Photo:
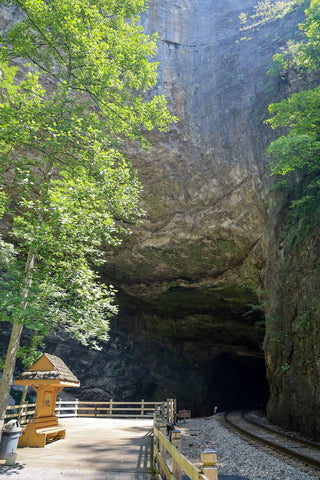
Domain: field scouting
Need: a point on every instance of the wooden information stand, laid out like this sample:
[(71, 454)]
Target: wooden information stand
[(48, 376)]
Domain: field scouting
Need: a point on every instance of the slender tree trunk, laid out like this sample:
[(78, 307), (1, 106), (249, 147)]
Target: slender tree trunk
[(14, 343), (8, 370), (25, 388)]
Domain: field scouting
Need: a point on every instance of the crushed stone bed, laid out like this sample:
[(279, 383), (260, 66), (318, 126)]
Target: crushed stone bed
[(238, 459)]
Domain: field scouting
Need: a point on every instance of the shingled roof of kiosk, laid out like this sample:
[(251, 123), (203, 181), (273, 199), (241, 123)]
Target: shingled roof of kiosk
[(49, 367)]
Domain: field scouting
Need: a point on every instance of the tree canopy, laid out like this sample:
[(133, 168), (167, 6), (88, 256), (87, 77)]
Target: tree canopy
[(74, 77)]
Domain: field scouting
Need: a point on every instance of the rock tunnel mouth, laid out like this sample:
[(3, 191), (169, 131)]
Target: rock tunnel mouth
[(201, 346)]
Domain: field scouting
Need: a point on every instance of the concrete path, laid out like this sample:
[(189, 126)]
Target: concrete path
[(94, 449)]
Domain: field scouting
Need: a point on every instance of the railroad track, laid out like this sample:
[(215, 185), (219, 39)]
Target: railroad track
[(302, 450)]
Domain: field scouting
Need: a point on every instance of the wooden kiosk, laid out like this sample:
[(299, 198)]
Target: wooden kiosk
[(48, 376)]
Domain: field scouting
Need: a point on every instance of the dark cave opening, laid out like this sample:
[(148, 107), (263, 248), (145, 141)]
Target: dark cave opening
[(196, 346), (230, 382), (239, 383), (203, 360)]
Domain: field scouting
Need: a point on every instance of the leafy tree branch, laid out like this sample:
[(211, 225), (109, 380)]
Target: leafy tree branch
[(66, 113)]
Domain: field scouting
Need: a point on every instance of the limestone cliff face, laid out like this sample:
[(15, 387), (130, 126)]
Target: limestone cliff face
[(186, 276), (204, 182), (292, 328)]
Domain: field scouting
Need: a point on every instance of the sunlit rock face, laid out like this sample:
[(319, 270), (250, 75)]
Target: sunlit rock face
[(188, 275), (189, 271), (204, 182)]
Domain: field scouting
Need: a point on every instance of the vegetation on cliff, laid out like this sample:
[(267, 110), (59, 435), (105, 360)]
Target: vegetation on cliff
[(298, 151), (67, 187), (292, 283)]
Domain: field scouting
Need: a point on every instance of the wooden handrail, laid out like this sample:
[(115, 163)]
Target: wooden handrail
[(75, 408), (23, 412), (163, 447), (188, 468), (82, 408)]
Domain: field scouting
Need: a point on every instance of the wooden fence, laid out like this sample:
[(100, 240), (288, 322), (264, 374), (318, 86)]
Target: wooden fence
[(169, 462), (22, 413), (111, 408), (76, 408)]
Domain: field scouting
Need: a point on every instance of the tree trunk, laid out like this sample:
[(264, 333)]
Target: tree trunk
[(8, 370), (14, 343)]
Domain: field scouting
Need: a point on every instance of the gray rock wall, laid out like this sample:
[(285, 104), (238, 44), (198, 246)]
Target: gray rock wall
[(206, 182), (188, 273), (292, 340)]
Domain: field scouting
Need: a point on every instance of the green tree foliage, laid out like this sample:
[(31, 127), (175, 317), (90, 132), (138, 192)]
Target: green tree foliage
[(67, 187), (266, 11), (299, 150)]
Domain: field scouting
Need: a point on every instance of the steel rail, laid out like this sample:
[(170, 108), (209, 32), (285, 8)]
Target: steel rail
[(307, 443), (287, 451)]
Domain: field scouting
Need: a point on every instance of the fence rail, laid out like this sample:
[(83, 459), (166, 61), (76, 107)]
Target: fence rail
[(169, 462), (112, 408), (76, 408), (22, 413)]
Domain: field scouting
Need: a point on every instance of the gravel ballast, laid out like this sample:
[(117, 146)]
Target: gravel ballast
[(238, 458)]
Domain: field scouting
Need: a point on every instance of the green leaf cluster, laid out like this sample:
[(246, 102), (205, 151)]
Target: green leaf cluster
[(97, 49), (267, 11), (69, 189), (298, 152)]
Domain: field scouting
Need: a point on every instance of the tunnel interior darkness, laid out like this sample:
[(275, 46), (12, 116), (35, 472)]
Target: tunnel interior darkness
[(238, 383)]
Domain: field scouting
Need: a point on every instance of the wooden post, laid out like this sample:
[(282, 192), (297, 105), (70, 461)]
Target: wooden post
[(162, 448), (110, 406), (142, 407), (157, 418), (58, 407), (173, 410), (163, 427), (176, 441), (76, 407), (209, 459), (23, 412), (154, 456), (168, 410)]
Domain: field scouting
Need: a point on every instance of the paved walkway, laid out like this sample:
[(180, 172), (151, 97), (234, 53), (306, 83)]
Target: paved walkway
[(94, 449)]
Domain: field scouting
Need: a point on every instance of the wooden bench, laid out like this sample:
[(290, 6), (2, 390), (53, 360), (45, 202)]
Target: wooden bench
[(49, 434), (183, 414), (40, 431), (48, 429)]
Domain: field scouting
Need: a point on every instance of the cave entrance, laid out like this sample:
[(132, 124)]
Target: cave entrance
[(229, 382), (238, 382), (199, 347)]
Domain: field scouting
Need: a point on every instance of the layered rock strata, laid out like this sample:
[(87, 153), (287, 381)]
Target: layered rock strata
[(187, 275)]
